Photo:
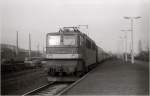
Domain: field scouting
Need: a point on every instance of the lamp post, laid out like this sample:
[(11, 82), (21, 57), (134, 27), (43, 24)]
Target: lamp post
[(126, 57), (29, 46), (17, 49), (132, 49)]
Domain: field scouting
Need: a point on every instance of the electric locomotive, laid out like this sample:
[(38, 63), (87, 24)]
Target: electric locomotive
[(69, 52)]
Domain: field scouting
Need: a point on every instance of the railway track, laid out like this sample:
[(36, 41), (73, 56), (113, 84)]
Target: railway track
[(55, 88), (51, 88)]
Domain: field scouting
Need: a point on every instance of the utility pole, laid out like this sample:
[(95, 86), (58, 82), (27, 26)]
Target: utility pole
[(17, 43), (44, 42), (38, 49), (122, 46), (126, 45), (43, 51), (132, 49), (29, 46), (140, 46)]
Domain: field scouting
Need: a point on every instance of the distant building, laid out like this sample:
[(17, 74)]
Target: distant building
[(7, 51)]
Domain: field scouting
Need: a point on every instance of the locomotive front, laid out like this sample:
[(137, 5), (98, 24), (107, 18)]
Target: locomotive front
[(62, 53)]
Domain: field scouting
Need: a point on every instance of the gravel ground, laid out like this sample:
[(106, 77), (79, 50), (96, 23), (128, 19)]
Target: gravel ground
[(114, 77), (20, 83)]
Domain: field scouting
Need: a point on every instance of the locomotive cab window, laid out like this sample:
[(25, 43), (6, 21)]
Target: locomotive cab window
[(54, 40), (69, 40)]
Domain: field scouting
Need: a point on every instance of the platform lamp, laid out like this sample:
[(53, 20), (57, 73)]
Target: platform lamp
[(132, 49)]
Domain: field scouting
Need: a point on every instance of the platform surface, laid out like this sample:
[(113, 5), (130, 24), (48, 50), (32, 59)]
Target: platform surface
[(114, 77)]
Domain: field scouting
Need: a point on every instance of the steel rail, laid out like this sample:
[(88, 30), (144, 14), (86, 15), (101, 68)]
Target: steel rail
[(37, 89)]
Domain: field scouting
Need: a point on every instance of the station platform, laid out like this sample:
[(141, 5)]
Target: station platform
[(114, 77)]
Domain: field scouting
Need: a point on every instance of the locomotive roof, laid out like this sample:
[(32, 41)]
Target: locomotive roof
[(74, 32)]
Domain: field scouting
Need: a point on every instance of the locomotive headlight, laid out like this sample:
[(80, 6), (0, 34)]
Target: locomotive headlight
[(71, 69), (49, 55), (43, 62), (76, 55), (46, 69)]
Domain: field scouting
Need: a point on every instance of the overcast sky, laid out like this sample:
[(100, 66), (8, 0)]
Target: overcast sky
[(104, 17)]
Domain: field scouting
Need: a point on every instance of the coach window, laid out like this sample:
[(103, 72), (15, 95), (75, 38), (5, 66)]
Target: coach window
[(81, 40), (88, 44), (93, 46)]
